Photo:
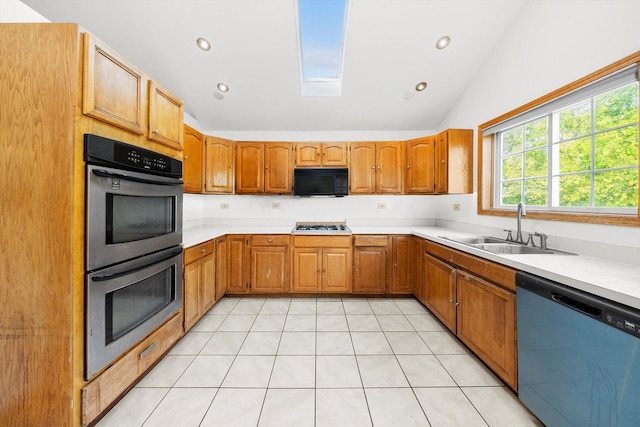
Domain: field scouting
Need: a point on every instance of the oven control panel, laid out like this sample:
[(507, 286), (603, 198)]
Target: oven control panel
[(108, 152)]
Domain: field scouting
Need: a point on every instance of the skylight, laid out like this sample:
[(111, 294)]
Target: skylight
[(322, 27)]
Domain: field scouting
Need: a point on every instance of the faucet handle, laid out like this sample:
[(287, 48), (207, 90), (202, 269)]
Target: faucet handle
[(543, 239), (509, 236), (530, 241)]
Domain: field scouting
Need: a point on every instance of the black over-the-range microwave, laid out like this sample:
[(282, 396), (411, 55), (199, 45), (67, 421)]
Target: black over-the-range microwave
[(321, 182)]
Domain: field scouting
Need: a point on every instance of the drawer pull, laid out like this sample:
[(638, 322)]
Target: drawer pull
[(147, 350)]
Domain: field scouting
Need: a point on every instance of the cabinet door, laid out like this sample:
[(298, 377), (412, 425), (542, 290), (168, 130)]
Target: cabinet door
[(337, 266), (390, 167), (418, 268), (362, 170), (334, 154), (166, 114), (486, 323), (307, 264), (420, 175), (222, 267), (369, 270), (250, 167), (113, 90), (219, 161), (269, 269), (190, 293), (208, 282), (308, 154), (238, 274), (442, 166), (192, 164), (401, 265), (278, 168), (440, 290)]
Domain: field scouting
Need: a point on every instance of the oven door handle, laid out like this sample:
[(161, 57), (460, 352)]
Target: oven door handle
[(105, 174), (106, 277)]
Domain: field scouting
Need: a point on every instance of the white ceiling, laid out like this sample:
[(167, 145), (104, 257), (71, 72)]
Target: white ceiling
[(390, 46)]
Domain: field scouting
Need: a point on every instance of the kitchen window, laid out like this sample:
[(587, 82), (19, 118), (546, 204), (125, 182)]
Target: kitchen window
[(571, 155)]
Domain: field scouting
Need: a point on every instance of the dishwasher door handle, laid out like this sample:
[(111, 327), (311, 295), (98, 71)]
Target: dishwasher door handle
[(579, 306)]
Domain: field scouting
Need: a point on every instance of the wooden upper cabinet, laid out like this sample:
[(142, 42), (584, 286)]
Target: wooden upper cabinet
[(166, 114), (420, 174), (264, 167), (454, 161), (113, 91), (315, 154), (250, 167), (390, 167), (362, 168), (376, 167), (278, 167), (192, 161), (219, 173)]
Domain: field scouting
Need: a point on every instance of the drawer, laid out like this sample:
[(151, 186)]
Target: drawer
[(196, 252), (362, 240), (270, 240), (322, 241)]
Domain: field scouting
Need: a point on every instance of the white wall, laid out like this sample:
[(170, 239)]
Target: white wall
[(550, 44)]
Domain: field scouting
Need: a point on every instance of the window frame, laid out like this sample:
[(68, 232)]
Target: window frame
[(487, 145)]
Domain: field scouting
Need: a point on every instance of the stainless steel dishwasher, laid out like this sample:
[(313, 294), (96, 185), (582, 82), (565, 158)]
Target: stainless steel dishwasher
[(578, 356)]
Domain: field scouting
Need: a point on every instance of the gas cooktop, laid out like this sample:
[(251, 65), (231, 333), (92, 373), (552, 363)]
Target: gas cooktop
[(321, 228)]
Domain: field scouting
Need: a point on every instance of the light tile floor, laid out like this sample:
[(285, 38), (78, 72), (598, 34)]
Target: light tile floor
[(319, 362)]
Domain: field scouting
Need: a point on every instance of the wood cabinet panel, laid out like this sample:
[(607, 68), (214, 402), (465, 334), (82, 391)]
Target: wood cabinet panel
[(334, 154), (322, 264), (250, 167), (440, 290), (486, 323), (238, 273), (362, 168), (390, 167), (208, 284), (420, 178), (270, 264), (401, 265), (370, 269), (336, 270), (454, 161), (418, 268), (322, 241), (193, 160), (370, 240), (278, 173), (222, 266), (199, 284), (316, 154), (166, 113), (219, 165), (114, 91), (307, 270), (190, 291)]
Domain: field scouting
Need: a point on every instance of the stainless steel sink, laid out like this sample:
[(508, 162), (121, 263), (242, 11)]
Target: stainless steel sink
[(501, 246)]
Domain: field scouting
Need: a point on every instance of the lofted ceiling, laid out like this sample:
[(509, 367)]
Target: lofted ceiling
[(389, 48)]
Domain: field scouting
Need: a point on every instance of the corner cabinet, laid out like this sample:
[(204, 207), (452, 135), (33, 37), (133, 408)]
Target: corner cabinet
[(192, 160), (238, 255), (475, 299)]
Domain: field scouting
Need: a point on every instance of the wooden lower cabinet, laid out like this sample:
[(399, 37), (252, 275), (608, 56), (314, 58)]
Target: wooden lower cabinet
[(440, 290), (222, 267), (108, 386), (199, 285), (322, 264), (370, 264), (269, 264), (486, 323), (238, 255), (401, 280), (475, 299)]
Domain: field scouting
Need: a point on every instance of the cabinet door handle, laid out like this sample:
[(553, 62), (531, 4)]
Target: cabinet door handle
[(147, 350), (156, 131)]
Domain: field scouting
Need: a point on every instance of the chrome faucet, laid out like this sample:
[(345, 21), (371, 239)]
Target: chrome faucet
[(521, 211)]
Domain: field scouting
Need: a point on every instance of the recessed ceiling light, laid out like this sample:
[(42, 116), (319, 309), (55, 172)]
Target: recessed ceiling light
[(203, 43), (443, 42), (421, 86), (218, 95), (222, 87)]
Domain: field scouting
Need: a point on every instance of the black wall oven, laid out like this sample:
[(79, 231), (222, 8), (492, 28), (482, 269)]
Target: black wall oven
[(133, 246)]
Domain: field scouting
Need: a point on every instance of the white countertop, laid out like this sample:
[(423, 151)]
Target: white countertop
[(615, 281)]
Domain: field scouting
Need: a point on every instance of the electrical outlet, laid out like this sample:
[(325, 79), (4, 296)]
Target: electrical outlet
[(382, 206), (224, 205), (275, 205), (456, 206)]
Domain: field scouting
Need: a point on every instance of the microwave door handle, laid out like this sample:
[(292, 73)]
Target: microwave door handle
[(105, 174), (106, 277)]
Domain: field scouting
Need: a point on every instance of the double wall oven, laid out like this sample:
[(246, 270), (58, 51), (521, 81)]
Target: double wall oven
[(133, 246)]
